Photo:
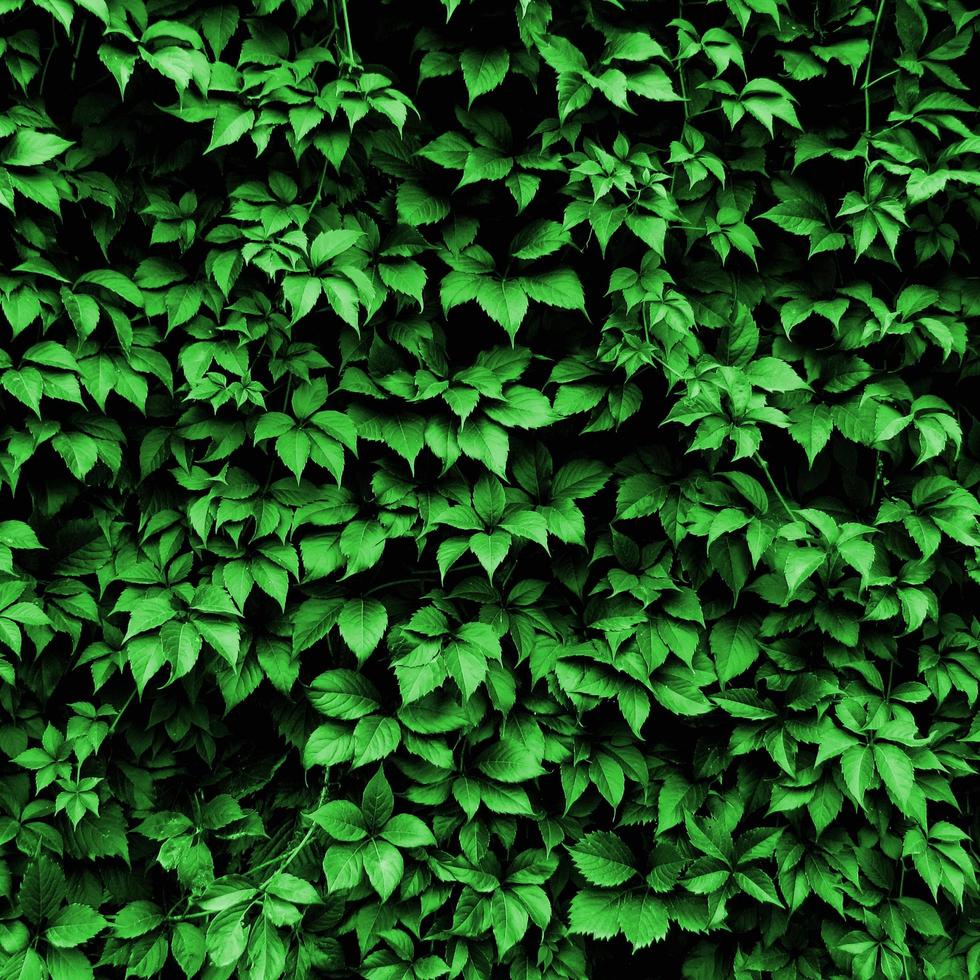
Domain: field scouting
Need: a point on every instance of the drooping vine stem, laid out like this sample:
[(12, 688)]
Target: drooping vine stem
[(47, 60), (350, 44), (764, 466), (866, 86), (319, 188), (877, 477), (294, 851), (282, 861), (683, 82), (121, 711)]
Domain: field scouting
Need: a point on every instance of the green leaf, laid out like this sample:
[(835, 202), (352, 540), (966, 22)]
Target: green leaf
[(362, 543), (377, 801), (30, 148), (857, 764), (407, 277), (328, 745), (595, 913), (483, 71), (504, 301), (603, 859), (223, 636), (643, 920), (152, 612), (734, 646), (416, 206), (772, 374), (42, 889), (508, 762), (490, 549), (17, 534), (489, 500), (487, 443), (21, 307), (467, 665), (343, 864), (302, 293), (74, 925), (290, 888), (384, 866), (922, 916), (137, 919), (407, 830), (187, 944), (219, 25), (266, 950), (756, 883), (538, 239), (561, 288), (79, 452), (579, 478), (293, 448), (332, 243), (120, 64), (226, 937), (115, 282), (26, 386), (800, 565), (509, 920), (676, 690), (811, 427), (344, 694), (896, 771), (362, 624), (375, 738), (341, 820)]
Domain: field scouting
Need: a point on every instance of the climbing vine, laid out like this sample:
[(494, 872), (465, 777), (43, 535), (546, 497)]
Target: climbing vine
[(488, 490)]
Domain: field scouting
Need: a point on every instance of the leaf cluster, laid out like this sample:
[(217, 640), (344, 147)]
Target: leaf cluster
[(488, 490)]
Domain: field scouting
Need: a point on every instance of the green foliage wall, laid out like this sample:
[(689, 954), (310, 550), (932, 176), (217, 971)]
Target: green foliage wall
[(488, 490)]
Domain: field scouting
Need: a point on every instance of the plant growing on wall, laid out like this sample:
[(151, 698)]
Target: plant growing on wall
[(488, 490)]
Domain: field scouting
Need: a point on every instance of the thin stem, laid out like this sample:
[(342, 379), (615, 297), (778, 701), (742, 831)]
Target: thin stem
[(764, 466), (272, 459), (350, 43), (418, 575), (188, 915), (126, 704), (665, 365), (319, 189), (286, 859), (397, 582), (867, 84), (881, 78), (47, 61), (78, 48), (877, 477), (683, 80), (310, 831)]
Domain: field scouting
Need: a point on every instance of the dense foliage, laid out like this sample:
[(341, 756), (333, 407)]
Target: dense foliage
[(488, 490)]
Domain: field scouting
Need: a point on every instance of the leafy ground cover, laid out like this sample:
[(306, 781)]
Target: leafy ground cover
[(488, 490)]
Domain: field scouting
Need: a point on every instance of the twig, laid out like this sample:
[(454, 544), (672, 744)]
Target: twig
[(682, 79), (867, 85), (47, 61), (290, 855), (119, 714), (350, 43), (319, 188), (78, 49), (764, 466)]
